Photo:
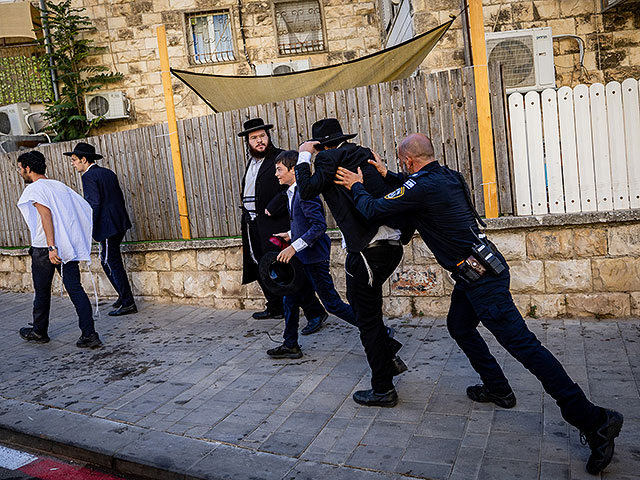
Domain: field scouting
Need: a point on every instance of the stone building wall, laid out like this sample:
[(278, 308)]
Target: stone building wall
[(352, 29), (561, 266), (612, 38), (127, 28)]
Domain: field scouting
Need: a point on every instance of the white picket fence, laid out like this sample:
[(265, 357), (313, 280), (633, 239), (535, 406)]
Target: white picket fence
[(576, 149)]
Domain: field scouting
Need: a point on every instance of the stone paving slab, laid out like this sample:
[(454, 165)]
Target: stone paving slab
[(182, 391)]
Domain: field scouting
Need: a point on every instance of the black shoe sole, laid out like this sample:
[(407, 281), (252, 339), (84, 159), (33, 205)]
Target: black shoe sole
[(376, 403), (35, 340), (268, 317), (289, 356), (489, 398), (118, 313), (90, 345), (617, 426)]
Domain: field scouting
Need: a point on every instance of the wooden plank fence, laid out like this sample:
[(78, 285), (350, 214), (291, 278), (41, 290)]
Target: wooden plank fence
[(442, 105), (576, 150)]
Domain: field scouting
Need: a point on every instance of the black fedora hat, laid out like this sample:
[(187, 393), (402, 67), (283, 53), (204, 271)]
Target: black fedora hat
[(281, 278), (252, 125), (328, 130), (84, 150)]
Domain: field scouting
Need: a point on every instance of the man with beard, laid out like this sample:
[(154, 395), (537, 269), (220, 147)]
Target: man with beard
[(264, 212), (374, 249), (60, 224)]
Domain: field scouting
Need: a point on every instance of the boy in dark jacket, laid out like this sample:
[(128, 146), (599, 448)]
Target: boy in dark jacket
[(311, 245)]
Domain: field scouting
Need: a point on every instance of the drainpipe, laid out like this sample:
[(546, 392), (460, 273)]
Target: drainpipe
[(244, 39), (47, 43)]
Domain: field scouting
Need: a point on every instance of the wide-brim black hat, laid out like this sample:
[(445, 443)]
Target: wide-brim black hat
[(281, 278), (252, 125), (84, 150), (328, 130)]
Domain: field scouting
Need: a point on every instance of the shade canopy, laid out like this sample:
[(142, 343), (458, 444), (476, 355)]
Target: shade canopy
[(227, 92), (18, 21)]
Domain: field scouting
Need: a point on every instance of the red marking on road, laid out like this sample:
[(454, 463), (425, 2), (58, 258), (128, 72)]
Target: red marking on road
[(47, 469)]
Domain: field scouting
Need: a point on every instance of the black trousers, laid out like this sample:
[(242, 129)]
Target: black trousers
[(111, 260), (42, 271), (274, 301), (364, 292), (489, 301)]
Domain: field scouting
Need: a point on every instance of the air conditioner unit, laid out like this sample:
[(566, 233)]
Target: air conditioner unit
[(109, 105), (12, 119), (526, 56), (279, 68)]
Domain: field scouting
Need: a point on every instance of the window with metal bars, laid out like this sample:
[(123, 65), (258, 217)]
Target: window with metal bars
[(299, 27), (209, 37)]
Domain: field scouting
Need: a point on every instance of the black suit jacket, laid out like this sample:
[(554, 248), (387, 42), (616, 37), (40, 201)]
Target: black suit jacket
[(102, 190), (356, 229), (268, 196)]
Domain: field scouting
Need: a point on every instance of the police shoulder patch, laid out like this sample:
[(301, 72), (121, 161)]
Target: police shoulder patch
[(409, 183), (395, 194)]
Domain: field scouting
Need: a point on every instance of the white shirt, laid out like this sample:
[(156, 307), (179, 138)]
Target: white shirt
[(298, 244), (71, 214), (249, 199)]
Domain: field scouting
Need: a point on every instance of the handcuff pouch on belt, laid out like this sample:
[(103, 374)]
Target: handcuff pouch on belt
[(482, 259)]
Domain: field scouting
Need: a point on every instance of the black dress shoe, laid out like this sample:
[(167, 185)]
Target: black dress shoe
[(266, 315), (285, 352), (482, 394), (372, 399), (90, 341), (124, 310), (398, 366), (314, 325), (600, 441), (29, 335), (117, 303)]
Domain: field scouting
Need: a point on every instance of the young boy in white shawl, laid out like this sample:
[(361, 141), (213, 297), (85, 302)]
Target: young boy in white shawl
[(60, 223)]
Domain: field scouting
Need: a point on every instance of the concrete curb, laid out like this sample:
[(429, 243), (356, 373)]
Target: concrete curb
[(130, 450)]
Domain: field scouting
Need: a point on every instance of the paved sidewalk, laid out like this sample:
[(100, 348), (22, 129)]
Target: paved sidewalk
[(188, 392)]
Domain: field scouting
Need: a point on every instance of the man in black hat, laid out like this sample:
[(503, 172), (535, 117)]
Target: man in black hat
[(264, 212), (374, 249), (110, 221)]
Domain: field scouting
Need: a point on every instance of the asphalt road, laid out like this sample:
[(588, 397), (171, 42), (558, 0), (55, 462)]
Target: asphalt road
[(16, 464)]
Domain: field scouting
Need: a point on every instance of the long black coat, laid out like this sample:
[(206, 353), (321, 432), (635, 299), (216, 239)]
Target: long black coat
[(102, 190), (269, 195), (356, 229)]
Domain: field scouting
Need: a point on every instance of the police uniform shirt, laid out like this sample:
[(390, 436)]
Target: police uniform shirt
[(434, 200)]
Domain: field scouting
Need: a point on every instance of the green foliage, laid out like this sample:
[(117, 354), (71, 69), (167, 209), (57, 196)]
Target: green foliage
[(76, 76), (21, 80)]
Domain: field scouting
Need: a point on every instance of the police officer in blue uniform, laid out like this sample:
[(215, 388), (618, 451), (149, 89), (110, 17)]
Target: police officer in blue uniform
[(437, 200)]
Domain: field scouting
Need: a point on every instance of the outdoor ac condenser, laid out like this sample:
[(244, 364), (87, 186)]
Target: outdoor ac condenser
[(12, 121), (282, 67), (526, 56), (109, 105)]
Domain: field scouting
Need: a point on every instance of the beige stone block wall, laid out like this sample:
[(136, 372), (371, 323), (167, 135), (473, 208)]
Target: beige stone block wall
[(128, 31), (556, 271), (612, 38)]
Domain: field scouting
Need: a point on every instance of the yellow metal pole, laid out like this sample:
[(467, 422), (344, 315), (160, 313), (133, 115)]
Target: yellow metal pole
[(173, 131), (485, 131)]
